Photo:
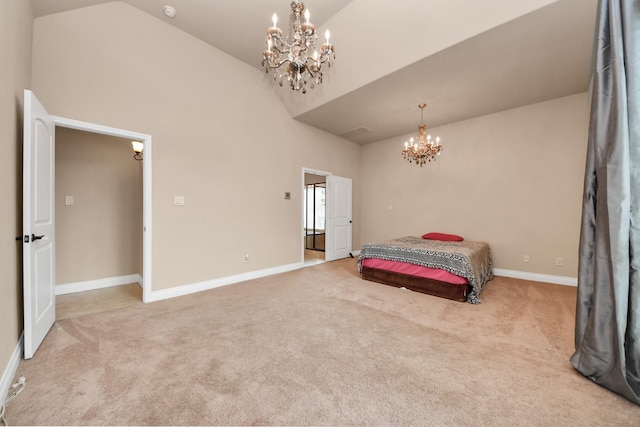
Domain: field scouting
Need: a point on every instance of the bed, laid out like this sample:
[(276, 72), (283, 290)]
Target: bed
[(457, 270)]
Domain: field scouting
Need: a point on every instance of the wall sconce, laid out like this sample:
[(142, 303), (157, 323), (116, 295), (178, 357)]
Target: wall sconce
[(137, 149)]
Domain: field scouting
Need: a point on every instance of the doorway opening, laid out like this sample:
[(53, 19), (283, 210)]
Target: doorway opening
[(142, 228), (314, 211), (337, 220), (314, 216), (98, 223)]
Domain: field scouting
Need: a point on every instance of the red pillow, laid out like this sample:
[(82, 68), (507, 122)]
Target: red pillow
[(442, 236)]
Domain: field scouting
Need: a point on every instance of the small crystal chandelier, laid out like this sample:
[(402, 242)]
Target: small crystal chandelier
[(424, 150), (295, 57)]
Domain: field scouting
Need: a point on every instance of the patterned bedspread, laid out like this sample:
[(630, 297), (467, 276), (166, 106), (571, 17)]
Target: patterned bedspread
[(471, 260)]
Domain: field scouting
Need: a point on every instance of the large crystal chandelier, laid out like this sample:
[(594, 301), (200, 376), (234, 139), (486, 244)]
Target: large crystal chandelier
[(295, 57), (424, 149)]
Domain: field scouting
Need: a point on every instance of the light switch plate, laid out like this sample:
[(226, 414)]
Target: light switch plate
[(178, 200), (68, 200)]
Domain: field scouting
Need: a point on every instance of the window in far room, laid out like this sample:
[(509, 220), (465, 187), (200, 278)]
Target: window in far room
[(315, 216)]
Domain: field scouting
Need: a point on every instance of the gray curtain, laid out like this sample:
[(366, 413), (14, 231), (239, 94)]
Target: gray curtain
[(607, 334)]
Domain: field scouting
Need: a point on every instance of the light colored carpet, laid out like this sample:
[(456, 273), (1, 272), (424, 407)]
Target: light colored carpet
[(320, 346)]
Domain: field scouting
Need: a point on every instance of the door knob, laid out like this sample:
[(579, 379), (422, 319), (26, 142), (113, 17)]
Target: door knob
[(34, 237)]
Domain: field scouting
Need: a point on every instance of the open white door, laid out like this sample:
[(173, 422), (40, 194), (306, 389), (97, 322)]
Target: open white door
[(339, 234), (38, 224)]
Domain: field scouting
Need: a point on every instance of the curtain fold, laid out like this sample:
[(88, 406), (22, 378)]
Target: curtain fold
[(607, 332)]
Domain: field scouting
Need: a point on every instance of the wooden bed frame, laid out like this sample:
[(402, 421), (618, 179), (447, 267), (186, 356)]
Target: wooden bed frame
[(418, 284)]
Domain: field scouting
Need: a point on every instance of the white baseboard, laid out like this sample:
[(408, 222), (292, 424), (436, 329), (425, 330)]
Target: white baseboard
[(90, 285), (10, 371), (229, 280), (224, 281), (536, 277)]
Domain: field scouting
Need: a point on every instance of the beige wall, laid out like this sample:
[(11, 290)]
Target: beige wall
[(100, 235), (15, 51), (221, 137), (513, 179)]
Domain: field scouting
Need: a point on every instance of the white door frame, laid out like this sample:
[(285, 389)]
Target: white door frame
[(326, 208), (146, 187)]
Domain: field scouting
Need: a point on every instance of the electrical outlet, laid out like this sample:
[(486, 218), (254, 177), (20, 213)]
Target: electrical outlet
[(525, 258), (178, 200), (246, 257), (559, 261)]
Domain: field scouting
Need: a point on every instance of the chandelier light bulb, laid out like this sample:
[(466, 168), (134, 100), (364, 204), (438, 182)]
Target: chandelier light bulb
[(307, 15), (274, 18), (327, 35)]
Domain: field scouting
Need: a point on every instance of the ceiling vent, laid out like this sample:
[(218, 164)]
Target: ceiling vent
[(355, 133)]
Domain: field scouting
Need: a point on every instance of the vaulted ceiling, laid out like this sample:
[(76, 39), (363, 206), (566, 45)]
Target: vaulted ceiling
[(464, 58)]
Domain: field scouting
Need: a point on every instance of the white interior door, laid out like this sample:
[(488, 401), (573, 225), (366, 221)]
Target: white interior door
[(339, 235), (38, 224)]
